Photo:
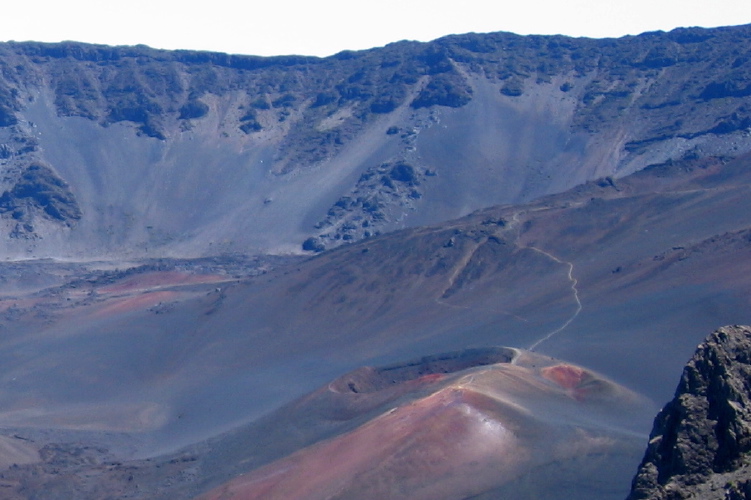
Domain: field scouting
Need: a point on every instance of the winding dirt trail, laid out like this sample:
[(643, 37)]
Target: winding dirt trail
[(514, 224), (574, 282)]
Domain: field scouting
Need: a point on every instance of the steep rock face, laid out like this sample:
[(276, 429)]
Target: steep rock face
[(193, 153), (701, 441)]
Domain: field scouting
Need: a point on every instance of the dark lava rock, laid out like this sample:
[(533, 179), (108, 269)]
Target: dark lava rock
[(40, 189), (361, 213), (313, 245), (193, 110), (403, 172), (7, 117), (700, 445), (720, 90), (444, 90), (739, 491), (513, 88)]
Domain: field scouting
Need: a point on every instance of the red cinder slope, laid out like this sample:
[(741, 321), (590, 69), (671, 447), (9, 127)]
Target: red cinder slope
[(480, 430)]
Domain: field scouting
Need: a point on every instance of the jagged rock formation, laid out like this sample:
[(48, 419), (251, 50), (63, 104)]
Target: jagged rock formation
[(194, 153), (700, 446)]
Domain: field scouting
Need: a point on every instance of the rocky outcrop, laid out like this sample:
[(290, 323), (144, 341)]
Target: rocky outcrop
[(700, 446), (38, 194), (382, 193), (334, 150)]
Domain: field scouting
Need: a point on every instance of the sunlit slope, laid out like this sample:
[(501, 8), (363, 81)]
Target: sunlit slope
[(609, 277), (523, 424), (111, 152)]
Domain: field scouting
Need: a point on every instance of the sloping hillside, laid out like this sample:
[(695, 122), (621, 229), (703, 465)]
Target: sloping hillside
[(583, 200), (620, 276), (128, 151)]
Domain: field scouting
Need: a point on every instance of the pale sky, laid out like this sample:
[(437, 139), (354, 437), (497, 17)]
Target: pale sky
[(324, 27)]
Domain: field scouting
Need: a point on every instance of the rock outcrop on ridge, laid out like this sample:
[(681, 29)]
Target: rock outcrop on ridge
[(190, 154), (700, 446)]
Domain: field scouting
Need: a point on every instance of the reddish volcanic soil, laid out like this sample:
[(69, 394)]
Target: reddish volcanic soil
[(416, 451), (160, 279), (474, 434), (142, 301), (570, 377), (567, 376), (146, 290)]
